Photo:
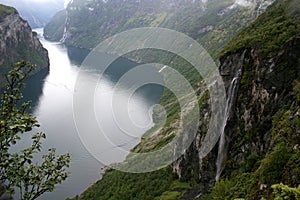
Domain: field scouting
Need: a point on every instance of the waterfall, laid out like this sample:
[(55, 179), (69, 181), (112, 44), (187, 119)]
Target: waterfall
[(65, 34), (229, 110)]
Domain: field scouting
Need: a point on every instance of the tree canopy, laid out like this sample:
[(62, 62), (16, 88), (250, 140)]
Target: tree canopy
[(18, 170)]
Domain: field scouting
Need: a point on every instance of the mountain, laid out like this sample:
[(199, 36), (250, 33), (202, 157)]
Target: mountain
[(260, 68), (259, 146), (86, 23), (18, 42), (37, 13)]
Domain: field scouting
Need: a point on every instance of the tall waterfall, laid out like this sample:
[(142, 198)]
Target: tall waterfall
[(229, 111), (65, 33)]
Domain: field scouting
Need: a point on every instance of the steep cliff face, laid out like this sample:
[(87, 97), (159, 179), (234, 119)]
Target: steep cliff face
[(18, 42), (37, 13), (261, 137)]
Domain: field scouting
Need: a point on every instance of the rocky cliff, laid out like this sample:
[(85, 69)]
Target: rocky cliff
[(259, 144), (18, 42), (37, 13)]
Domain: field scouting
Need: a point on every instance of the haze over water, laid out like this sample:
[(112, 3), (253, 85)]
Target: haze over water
[(54, 111)]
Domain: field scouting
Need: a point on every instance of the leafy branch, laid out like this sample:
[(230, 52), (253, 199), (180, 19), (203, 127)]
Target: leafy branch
[(17, 170)]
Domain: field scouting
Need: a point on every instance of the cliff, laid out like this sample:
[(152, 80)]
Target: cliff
[(37, 13), (18, 42), (259, 144)]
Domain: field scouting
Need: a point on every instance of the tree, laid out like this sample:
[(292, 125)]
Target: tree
[(18, 170), (282, 192)]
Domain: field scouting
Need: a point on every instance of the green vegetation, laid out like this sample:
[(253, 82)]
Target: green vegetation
[(258, 176), (223, 190), (169, 195), (264, 151), (90, 22), (282, 192), (119, 185), (18, 169), (18, 42), (270, 31), (158, 185), (5, 10), (55, 29)]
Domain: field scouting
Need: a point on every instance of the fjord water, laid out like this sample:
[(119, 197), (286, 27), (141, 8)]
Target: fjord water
[(54, 111)]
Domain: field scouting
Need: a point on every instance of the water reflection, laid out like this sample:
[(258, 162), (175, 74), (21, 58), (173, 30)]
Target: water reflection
[(54, 112)]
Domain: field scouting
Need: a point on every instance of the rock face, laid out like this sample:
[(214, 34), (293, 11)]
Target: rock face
[(18, 42), (37, 13), (256, 126)]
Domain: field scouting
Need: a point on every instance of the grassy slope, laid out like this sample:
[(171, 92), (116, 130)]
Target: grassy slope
[(5, 10), (270, 31), (119, 185)]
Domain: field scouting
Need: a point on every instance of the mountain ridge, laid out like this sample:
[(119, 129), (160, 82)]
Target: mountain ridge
[(198, 19)]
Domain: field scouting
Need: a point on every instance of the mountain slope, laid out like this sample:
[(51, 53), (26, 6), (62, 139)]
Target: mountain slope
[(261, 136), (37, 13), (18, 42), (262, 132), (87, 23)]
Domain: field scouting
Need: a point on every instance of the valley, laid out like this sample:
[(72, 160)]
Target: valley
[(132, 98)]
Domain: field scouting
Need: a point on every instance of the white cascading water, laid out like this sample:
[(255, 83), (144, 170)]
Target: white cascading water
[(222, 144), (230, 103), (65, 34)]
